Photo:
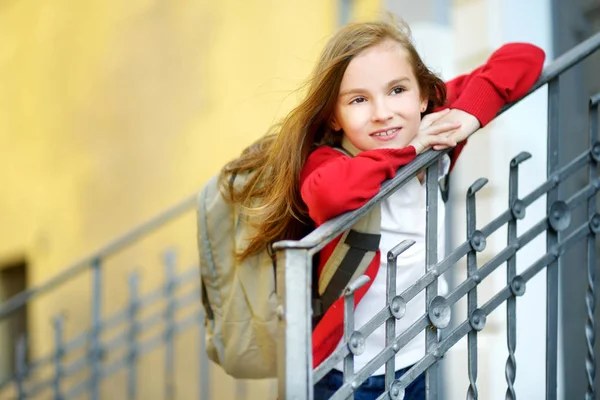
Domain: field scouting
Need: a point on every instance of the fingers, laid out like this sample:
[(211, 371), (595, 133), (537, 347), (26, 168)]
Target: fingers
[(438, 142), (440, 135), (441, 142), (444, 127), (431, 118)]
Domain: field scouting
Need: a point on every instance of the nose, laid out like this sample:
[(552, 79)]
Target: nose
[(381, 111)]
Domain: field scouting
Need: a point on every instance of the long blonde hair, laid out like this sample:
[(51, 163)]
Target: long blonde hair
[(272, 195)]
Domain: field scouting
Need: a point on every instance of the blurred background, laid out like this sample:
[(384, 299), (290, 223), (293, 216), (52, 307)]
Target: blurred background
[(113, 111)]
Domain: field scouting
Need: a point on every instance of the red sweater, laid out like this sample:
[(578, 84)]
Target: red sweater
[(332, 183)]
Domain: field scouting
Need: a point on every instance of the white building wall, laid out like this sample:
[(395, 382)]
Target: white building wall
[(480, 27), (475, 29)]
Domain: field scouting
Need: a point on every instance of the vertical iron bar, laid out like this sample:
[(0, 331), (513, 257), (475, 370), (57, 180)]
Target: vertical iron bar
[(294, 352), (348, 329), (96, 351), (58, 356), (21, 363), (431, 257), (472, 393), (390, 324), (169, 261), (354, 340), (511, 271), (551, 243), (203, 369), (590, 295), (396, 306), (132, 337)]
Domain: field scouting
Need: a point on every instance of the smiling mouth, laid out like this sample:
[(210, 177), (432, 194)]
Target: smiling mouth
[(386, 135)]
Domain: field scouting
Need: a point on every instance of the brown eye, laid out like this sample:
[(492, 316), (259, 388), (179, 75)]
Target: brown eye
[(398, 90), (358, 100)]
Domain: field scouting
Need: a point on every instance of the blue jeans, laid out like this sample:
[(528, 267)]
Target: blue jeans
[(371, 389)]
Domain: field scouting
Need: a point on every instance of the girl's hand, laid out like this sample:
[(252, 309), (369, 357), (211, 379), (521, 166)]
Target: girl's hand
[(469, 124), (434, 133)]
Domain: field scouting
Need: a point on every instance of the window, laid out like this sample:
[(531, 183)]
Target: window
[(13, 280)]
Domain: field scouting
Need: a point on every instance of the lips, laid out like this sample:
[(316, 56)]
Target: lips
[(385, 135)]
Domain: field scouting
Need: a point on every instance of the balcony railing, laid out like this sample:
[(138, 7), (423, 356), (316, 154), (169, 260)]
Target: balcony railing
[(296, 375), (175, 307)]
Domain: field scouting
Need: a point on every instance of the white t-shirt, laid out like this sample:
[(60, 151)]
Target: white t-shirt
[(402, 217)]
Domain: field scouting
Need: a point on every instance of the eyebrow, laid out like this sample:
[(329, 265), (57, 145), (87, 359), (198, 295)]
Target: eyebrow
[(359, 91)]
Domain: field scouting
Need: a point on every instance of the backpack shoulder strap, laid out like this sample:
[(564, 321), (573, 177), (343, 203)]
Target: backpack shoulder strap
[(352, 255), (350, 259)]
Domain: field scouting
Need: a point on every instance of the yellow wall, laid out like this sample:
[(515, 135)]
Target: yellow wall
[(110, 111)]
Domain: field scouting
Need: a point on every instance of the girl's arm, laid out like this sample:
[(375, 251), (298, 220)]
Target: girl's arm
[(476, 98), (507, 76), (333, 183)]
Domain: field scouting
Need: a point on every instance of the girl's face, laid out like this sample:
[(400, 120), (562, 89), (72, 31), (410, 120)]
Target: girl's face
[(379, 104)]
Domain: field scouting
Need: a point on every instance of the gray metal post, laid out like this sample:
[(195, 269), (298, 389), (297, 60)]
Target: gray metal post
[(594, 218), (132, 336), (431, 257), (348, 330), (169, 263), (294, 351), (58, 356), (518, 212), (21, 363), (551, 243), (477, 241), (390, 323), (397, 307), (353, 339), (96, 350)]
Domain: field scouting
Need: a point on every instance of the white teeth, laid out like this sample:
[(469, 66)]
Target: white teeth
[(386, 133)]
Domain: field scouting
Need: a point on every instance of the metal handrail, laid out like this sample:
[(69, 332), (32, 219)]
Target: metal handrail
[(113, 247), (295, 351), (325, 233), (320, 236)]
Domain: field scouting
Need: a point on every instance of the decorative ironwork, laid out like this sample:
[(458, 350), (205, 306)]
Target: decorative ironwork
[(439, 312), (294, 261), (437, 316), (594, 225)]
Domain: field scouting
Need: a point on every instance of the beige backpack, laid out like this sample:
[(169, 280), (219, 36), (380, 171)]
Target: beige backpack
[(239, 298)]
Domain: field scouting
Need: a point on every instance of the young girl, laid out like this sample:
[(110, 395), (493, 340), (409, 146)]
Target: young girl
[(371, 94)]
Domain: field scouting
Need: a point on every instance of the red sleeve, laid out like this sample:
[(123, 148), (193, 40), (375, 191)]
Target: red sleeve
[(507, 76), (332, 183)]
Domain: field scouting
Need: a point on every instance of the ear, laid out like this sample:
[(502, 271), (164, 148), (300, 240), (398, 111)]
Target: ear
[(423, 105), (334, 125)]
